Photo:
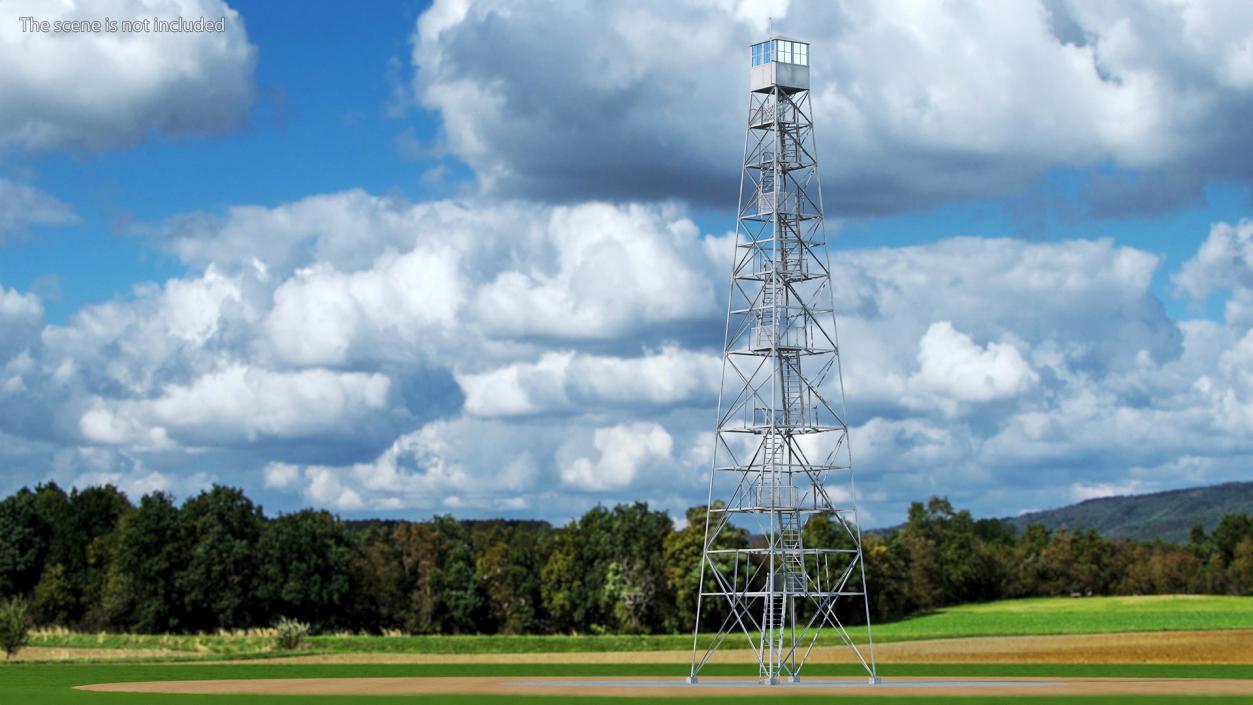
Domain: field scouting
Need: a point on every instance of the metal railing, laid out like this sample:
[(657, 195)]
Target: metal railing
[(777, 496), (789, 336)]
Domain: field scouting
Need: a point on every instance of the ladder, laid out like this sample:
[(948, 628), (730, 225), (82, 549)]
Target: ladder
[(793, 390), (791, 257), (793, 559), (773, 627), (772, 447), (790, 149), (767, 317), (773, 456)]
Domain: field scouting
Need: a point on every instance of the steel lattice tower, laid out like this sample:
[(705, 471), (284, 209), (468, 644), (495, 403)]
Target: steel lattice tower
[(782, 438)]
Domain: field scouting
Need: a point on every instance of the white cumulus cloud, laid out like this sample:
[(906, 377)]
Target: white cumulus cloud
[(623, 452), (954, 369), (110, 89), (915, 103), (240, 404), (568, 381)]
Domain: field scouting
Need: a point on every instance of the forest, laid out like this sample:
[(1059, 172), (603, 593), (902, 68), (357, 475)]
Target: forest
[(92, 560)]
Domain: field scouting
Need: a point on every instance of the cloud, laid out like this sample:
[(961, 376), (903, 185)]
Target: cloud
[(616, 268), (357, 274), (320, 314), (21, 316), (163, 335), (1224, 264), (326, 489), (571, 382), (22, 206), (1080, 307), (623, 451), (91, 466), (326, 347), (357, 362), (1082, 491), (443, 465), (98, 91), (242, 405), (955, 369), (281, 476), (914, 105)]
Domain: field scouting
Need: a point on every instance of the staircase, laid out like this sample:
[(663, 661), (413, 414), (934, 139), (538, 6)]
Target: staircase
[(791, 258), (772, 454), (776, 617), (767, 317), (794, 391), (793, 568), (772, 637)]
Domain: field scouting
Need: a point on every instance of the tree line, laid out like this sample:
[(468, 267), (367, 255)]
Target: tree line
[(90, 559)]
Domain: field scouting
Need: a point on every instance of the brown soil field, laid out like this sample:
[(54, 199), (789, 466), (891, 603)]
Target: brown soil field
[(1235, 646), (928, 687)]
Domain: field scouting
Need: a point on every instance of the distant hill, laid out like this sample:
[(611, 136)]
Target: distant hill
[(1165, 515)]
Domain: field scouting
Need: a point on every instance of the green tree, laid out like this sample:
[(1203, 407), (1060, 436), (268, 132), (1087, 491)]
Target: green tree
[(949, 561), (306, 568), (1240, 573), (455, 581), (829, 532), (1231, 530), (607, 572), (561, 583), (151, 553), (81, 524), (887, 578), (54, 603), (53, 505), (508, 556), (379, 598), (24, 540), (1030, 573), (1082, 561), (419, 561), (220, 529), (643, 600), (683, 550), (14, 625), (1173, 570)]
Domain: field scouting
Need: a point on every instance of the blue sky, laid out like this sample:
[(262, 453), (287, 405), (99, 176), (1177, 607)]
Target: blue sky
[(471, 257)]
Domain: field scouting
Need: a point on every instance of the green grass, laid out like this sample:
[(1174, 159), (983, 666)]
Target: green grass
[(1089, 615), (1003, 618), (51, 684), (46, 684)]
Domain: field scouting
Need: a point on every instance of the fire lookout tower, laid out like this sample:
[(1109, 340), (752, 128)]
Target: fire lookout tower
[(781, 453)]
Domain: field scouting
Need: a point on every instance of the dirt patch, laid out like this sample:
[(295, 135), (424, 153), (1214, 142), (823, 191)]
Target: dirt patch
[(1234, 646), (921, 687)]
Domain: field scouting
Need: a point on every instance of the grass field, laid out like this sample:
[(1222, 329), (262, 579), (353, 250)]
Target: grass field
[(51, 684), (44, 684), (1093, 615)]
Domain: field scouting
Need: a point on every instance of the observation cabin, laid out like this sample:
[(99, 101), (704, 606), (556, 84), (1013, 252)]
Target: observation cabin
[(780, 62)]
